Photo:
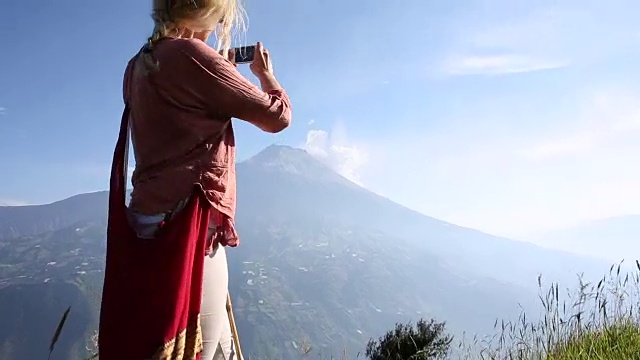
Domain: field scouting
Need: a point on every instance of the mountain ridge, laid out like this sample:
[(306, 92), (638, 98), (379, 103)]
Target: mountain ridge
[(313, 185)]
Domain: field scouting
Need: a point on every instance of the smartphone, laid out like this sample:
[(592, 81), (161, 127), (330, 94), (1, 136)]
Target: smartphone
[(244, 54)]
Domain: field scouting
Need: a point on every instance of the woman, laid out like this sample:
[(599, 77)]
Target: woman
[(166, 273)]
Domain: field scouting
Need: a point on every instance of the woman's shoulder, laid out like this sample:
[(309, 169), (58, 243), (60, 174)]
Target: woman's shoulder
[(191, 48)]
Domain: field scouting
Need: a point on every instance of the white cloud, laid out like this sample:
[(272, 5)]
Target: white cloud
[(11, 202), (569, 145), (507, 37), (3, 110), (334, 149), (499, 64), (612, 119)]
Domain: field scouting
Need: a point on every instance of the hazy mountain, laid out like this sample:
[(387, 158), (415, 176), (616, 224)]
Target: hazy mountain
[(320, 195), (613, 239), (321, 260), (36, 219)]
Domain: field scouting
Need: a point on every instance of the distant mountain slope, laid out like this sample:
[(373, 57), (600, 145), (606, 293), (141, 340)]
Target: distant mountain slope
[(40, 276), (611, 239), (287, 184), (35, 219), (321, 260)]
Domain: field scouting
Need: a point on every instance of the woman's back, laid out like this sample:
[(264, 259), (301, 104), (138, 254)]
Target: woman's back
[(181, 123)]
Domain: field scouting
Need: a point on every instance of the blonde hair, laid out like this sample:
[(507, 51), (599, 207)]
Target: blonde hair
[(220, 16)]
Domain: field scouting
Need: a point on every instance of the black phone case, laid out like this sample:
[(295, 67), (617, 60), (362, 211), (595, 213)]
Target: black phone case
[(244, 54)]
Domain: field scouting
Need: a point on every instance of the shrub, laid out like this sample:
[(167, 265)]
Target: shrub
[(426, 341)]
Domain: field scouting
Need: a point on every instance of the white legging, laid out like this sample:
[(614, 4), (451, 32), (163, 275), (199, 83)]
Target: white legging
[(216, 330)]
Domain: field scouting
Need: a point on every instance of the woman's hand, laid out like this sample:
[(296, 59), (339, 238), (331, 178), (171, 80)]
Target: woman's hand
[(261, 65)]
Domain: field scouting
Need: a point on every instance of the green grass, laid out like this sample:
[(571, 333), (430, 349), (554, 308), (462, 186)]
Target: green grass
[(619, 341), (594, 321)]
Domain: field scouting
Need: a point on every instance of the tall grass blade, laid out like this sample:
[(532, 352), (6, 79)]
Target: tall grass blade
[(56, 335)]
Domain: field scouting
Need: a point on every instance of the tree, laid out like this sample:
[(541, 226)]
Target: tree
[(426, 341)]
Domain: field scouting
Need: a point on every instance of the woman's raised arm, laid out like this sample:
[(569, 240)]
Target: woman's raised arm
[(227, 92)]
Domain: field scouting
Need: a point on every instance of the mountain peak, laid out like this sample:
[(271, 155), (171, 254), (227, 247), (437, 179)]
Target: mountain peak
[(280, 152), (287, 158), (293, 161)]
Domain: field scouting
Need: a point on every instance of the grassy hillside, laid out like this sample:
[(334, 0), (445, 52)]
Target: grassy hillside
[(591, 321)]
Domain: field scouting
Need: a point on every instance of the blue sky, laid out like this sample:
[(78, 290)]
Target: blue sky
[(509, 116)]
